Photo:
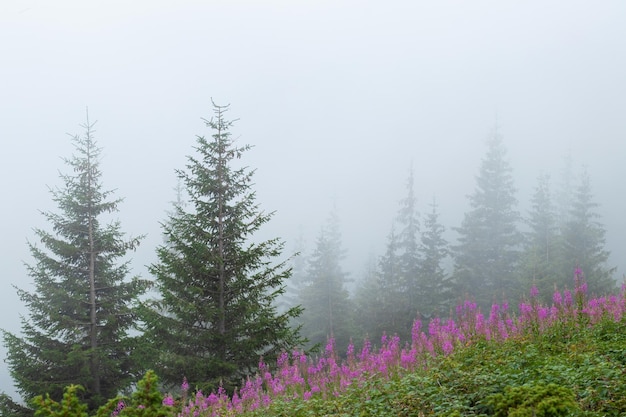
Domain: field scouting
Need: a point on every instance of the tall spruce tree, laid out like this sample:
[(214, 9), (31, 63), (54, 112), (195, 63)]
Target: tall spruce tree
[(216, 314), (487, 252), (396, 292), (408, 253), (381, 298), (294, 284), (542, 251), (584, 242), (434, 291), (367, 303), (328, 311), (82, 307), (563, 196)]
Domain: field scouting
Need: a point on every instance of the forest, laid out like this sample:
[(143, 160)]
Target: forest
[(220, 306)]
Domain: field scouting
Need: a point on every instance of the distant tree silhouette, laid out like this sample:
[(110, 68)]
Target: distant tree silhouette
[(487, 253), (585, 243), (328, 310)]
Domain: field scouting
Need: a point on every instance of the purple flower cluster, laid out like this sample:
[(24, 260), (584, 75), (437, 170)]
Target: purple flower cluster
[(298, 376)]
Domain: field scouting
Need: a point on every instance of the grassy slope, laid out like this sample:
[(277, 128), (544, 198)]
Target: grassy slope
[(568, 370)]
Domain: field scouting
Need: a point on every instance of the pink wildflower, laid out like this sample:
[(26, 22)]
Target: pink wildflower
[(534, 292)]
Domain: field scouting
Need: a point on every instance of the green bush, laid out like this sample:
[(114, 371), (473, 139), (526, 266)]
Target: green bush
[(70, 405), (146, 401), (539, 400)]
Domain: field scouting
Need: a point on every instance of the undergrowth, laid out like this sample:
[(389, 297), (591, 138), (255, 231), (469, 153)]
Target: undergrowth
[(568, 359)]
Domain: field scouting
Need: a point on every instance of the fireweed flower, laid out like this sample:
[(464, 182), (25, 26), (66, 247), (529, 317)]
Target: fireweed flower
[(365, 351), (168, 400), (415, 331), (282, 359), (534, 292), (330, 347), (119, 408), (350, 351), (303, 378), (567, 295)]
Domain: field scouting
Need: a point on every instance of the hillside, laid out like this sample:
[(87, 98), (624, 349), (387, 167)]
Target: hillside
[(566, 359)]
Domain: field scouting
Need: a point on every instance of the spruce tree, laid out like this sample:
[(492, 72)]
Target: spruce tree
[(563, 197), (542, 251), (397, 293), (294, 284), (584, 242), (328, 311), (216, 315), (82, 307), (487, 251), (381, 299), (408, 254), (367, 303), (434, 291)]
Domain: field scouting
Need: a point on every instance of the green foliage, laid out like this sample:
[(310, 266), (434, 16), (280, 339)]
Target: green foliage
[(10, 408), (568, 370), (216, 313), (146, 401), (540, 400), (571, 368), (69, 406), (82, 306)]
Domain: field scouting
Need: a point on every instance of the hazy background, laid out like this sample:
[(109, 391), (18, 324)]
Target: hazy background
[(338, 98)]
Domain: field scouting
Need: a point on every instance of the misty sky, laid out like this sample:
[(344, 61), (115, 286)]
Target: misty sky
[(339, 98)]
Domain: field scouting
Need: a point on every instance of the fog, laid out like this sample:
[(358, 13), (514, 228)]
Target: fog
[(338, 98)]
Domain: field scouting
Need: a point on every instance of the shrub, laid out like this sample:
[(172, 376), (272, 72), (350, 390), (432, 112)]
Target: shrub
[(147, 401), (539, 400), (70, 405)]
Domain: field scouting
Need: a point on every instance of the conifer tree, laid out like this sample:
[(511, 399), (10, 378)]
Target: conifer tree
[(542, 252), (216, 314), (328, 311), (584, 242), (368, 297), (434, 290), (564, 193), (82, 307), (487, 252), (398, 288), (408, 253), (381, 299), (294, 284)]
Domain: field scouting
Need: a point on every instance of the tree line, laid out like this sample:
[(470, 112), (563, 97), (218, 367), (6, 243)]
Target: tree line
[(218, 301), (499, 254)]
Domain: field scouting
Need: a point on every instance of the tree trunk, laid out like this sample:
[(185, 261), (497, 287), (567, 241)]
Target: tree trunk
[(93, 323)]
